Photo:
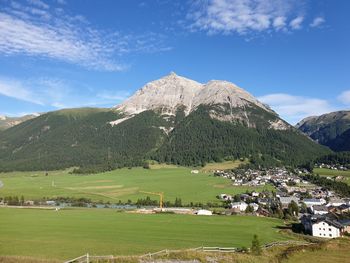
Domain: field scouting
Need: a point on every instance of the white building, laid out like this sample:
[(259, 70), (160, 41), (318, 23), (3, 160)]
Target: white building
[(203, 212), (242, 206), (319, 209), (225, 197), (255, 206), (336, 202), (326, 228), (312, 202), (255, 194)]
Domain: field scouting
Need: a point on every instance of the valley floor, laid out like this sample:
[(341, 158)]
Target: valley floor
[(68, 233), (122, 184)]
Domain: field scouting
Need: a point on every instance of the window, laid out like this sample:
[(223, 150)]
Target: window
[(319, 228), (330, 235), (330, 229), (323, 223)]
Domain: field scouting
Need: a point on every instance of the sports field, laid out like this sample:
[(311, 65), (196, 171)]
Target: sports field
[(332, 173), (122, 184), (69, 233)]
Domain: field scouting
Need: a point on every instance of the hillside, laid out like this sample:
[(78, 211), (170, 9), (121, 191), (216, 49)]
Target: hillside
[(332, 129), (79, 137), (173, 120), (8, 122)]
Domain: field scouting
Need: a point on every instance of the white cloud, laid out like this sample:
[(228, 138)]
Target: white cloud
[(296, 23), (344, 97), (318, 21), (295, 108), (61, 2), (39, 4), (113, 96), (33, 30), (15, 89), (279, 22), (243, 16), (58, 93)]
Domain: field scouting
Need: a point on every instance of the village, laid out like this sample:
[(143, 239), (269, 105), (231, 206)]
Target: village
[(321, 212)]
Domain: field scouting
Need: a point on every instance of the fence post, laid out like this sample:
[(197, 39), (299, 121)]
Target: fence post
[(87, 258)]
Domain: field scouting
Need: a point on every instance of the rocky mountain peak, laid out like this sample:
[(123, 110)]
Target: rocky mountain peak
[(172, 91), (167, 94)]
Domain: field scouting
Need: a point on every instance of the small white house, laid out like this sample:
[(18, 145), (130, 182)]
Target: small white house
[(327, 229), (241, 206), (203, 212), (312, 202), (255, 206), (225, 197), (336, 202), (319, 209), (194, 172), (255, 194)]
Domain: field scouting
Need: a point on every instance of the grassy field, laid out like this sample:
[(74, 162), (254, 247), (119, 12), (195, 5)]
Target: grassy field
[(122, 184), (223, 165), (329, 172), (73, 232), (336, 251)]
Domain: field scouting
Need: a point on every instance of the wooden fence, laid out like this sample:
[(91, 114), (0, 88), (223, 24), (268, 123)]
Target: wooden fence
[(88, 258)]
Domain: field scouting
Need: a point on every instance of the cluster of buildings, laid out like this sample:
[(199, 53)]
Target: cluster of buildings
[(254, 177), (332, 166), (322, 212)]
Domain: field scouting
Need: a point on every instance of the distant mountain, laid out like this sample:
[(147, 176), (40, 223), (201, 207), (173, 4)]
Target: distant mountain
[(332, 129), (173, 119), (8, 122)]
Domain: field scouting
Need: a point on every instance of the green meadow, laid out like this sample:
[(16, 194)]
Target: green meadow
[(332, 173), (68, 233), (121, 184)]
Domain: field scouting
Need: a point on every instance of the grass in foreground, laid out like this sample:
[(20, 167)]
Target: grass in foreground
[(69, 233), (122, 184)]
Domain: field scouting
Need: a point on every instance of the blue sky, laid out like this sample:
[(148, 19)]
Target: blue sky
[(292, 55)]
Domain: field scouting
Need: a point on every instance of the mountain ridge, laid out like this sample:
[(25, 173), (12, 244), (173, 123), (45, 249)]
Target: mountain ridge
[(173, 120), (330, 129), (172, 91)]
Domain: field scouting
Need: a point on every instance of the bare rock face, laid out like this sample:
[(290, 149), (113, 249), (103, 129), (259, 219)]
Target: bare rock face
[(169, 93), (165, 94), (172, 91), (224, 92)]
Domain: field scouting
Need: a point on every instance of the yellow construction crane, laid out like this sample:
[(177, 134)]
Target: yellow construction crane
[(161, 197)]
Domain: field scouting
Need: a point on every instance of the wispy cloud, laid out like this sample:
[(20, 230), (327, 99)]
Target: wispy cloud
[(39, 4), (318, 21), (246, 16), (279, 22), (344, 97), (15, 89), (113, 96), (36, 29), (296, 23), (58, 93), (295, 108)]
